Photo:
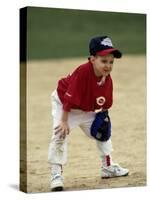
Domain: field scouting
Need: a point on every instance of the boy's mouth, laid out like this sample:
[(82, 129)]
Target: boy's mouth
[(106, 70)]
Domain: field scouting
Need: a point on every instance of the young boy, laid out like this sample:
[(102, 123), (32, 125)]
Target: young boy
[(83, 99)]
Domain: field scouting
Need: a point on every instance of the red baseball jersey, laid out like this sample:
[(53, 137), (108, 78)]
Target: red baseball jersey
[(82, 90)]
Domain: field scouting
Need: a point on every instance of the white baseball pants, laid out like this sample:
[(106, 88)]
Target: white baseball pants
[(57, 153)]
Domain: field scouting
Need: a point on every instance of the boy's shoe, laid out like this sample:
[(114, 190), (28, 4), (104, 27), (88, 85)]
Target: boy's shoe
[(113, 170), (57, 182)]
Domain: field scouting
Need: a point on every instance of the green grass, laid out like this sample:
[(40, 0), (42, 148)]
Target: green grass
[(60, 33)]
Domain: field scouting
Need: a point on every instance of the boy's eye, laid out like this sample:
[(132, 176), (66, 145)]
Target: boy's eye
[(105, 61)]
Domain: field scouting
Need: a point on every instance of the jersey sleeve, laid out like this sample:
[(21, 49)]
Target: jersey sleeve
[(109, 103), (75, 91)]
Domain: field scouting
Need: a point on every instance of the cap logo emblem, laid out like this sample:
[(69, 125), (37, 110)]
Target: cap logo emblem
[(107, 42)]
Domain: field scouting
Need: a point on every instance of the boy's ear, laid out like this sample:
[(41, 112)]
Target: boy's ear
[(92, 58)]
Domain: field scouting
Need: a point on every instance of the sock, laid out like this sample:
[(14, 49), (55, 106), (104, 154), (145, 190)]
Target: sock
[(106, 160), (56, 169)]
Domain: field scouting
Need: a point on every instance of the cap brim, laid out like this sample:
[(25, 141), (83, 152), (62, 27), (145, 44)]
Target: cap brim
[(115, 52)]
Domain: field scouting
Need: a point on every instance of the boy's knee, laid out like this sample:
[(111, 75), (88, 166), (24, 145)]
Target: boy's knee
[(56, 139)]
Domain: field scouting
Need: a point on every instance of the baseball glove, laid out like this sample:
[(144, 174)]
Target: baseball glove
[(101, 126)]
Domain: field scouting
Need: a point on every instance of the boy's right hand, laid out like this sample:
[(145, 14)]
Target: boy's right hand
[(63, 129)]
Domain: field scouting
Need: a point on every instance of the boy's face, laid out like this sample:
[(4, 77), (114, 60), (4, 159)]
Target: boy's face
[(102, 64)]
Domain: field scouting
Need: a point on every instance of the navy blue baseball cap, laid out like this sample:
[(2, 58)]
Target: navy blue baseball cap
[(102, 46)]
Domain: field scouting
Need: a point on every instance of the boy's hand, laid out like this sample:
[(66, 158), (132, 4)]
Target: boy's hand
[(63, 129)]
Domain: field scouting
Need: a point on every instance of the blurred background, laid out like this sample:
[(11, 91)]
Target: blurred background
[(59, 33)]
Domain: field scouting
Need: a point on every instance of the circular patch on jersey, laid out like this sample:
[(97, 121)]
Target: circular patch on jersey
[(100, 100)]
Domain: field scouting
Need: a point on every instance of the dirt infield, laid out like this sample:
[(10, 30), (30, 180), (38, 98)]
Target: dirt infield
[(128, 116)]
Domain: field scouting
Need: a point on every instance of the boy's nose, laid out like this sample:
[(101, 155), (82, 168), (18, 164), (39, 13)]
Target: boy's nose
[(108, 66)]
